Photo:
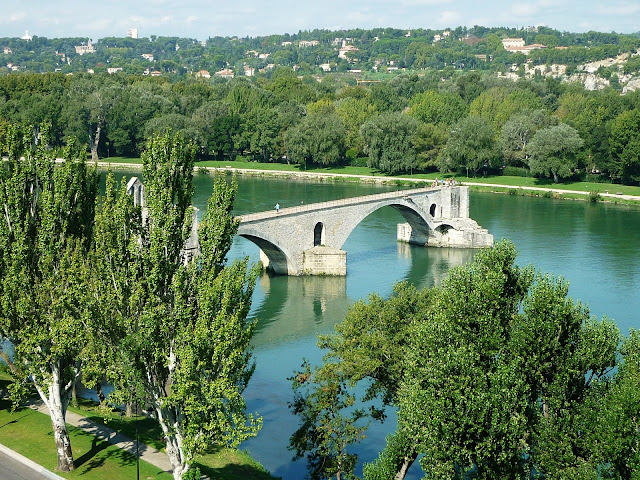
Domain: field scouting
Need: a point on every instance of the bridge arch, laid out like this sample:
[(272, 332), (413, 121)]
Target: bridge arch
[(414, 215), (308, 239), (272, 256)]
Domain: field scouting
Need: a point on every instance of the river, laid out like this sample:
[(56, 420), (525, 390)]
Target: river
[(594, 246)]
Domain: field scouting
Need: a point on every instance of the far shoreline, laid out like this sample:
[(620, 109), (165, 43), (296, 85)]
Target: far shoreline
[(551, 192)]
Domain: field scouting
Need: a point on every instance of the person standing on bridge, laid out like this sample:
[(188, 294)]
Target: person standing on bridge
[(277, 207)]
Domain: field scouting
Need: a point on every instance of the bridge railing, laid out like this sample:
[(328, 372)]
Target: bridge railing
[(335, 203)]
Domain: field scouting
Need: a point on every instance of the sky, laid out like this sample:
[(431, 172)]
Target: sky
[(201, 19)]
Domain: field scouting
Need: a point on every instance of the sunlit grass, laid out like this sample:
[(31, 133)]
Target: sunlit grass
[(29, 433)]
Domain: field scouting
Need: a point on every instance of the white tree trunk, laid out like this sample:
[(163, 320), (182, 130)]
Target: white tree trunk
[(174, 440), (57, 401), (95, 141), (404, 468)]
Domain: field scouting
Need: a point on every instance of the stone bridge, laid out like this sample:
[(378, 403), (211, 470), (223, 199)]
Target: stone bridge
[(307, 239)]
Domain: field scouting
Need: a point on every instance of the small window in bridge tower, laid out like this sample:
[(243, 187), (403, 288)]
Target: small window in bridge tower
[(318, 234), (432, 210)]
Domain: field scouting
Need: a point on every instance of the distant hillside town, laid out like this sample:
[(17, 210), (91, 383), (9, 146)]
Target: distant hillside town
[(595, 59)]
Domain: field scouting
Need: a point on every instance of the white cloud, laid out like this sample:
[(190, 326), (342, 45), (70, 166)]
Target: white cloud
[(449, 18), (13, 17), (525, 9)]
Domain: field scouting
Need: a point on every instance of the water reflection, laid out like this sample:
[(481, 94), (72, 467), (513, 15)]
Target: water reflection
[(429, 266), (297, 307)]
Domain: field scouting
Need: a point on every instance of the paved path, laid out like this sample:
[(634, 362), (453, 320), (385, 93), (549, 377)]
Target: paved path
[(557, 190), (148, 454)]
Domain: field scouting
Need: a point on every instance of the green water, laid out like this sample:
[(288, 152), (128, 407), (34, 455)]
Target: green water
[(594, 246)]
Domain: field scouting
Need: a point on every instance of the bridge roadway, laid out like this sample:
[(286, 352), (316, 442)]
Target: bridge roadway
[(307, 239)]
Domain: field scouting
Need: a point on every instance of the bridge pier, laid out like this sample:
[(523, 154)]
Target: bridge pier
[(473, 236), (324, 261)]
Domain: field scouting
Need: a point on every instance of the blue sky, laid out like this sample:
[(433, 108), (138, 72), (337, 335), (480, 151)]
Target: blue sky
[(201, 19)]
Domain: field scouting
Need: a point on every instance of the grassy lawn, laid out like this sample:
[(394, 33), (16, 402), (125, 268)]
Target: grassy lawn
[(225, 464), (29, 433)]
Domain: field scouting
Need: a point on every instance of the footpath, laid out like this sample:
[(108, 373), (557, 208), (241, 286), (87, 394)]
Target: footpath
[(146, 453)]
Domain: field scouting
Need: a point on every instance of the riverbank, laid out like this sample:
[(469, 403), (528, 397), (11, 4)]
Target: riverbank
[(526, 186)]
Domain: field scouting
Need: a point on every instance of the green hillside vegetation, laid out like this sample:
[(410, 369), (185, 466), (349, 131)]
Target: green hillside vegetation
[(400, 101)]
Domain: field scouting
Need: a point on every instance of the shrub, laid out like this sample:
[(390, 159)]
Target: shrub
[(594, 196)]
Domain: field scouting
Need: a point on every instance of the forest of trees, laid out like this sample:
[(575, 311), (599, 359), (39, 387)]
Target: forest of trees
[(474, 123)]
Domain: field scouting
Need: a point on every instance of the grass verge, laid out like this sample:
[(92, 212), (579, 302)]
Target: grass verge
[(29, 433)]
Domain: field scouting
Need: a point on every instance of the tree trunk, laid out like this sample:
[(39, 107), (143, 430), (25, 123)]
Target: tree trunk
[(406, 465), (174, 440), (74, 396), (57, 401), (100, 394), (95, 141), (129, 410), (63, 444)]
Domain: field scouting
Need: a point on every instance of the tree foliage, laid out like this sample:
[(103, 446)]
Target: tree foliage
[(179, 324), (490, 373), (317, 139), (471, 145), (46, 310), (387, 138), (552, 151)]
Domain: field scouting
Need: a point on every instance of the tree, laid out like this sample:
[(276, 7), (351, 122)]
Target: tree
[(624, 140), (46, 308), (486, 370), (612, 412), (437, 108), (183, 338), (552, 151), (321, 397), (369, 344), (354, 111), (471, 145), (518, 131), (387, 138), (318, 139), (429, 143), (86, 111)]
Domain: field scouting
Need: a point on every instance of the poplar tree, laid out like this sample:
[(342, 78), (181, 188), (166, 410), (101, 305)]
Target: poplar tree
[(181, 335), (46, 309)]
